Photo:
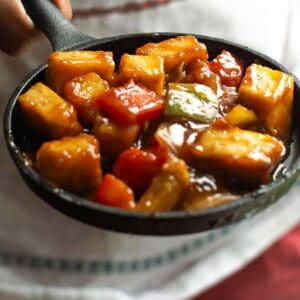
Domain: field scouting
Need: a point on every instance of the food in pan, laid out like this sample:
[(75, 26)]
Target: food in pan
[(165, 128)]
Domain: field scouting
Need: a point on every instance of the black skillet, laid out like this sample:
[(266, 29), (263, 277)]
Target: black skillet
[(20, 140)]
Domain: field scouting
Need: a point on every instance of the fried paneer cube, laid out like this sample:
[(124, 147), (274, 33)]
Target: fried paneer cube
[(64, 66), (73, 163), (145, 69), (81, 92), (248, 155), (176, 50), (114, 136), (47, 113), (270, 94)]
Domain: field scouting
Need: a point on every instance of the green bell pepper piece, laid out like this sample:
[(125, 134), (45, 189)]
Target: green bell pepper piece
[(193, 101)]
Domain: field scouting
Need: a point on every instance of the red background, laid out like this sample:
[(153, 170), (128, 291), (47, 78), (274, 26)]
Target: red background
[(275, 275)]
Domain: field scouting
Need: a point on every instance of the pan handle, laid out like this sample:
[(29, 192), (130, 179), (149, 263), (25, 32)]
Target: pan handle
[(60, 32)]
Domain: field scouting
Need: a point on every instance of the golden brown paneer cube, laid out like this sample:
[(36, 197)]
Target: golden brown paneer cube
[(114, 137), (145, 69), (64, 66), (248, 155), (81, 92), (176, 50), (269, 93), (73, 163), (47, 113), (278, 122)]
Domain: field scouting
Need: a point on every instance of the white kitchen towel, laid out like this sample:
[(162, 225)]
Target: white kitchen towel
[(46, 255)]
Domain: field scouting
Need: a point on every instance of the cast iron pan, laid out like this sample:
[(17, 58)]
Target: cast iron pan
[(20, 140)]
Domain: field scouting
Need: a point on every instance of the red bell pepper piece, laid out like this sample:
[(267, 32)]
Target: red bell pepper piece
[(161, 153), (131, 103), (228, 67), (114, 192), (137, 167)]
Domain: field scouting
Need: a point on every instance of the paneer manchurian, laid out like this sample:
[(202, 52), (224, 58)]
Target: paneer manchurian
[(165, 129)]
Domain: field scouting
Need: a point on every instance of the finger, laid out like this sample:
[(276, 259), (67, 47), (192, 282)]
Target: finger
[(16, 28), (65, 7), (17, 31)]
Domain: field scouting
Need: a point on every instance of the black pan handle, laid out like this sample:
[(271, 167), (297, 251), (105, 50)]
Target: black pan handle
[(60, 32)]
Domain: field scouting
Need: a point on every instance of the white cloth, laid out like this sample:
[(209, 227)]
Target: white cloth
[(46, 255)]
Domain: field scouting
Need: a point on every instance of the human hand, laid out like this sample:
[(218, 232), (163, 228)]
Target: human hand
[(17, 31)]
